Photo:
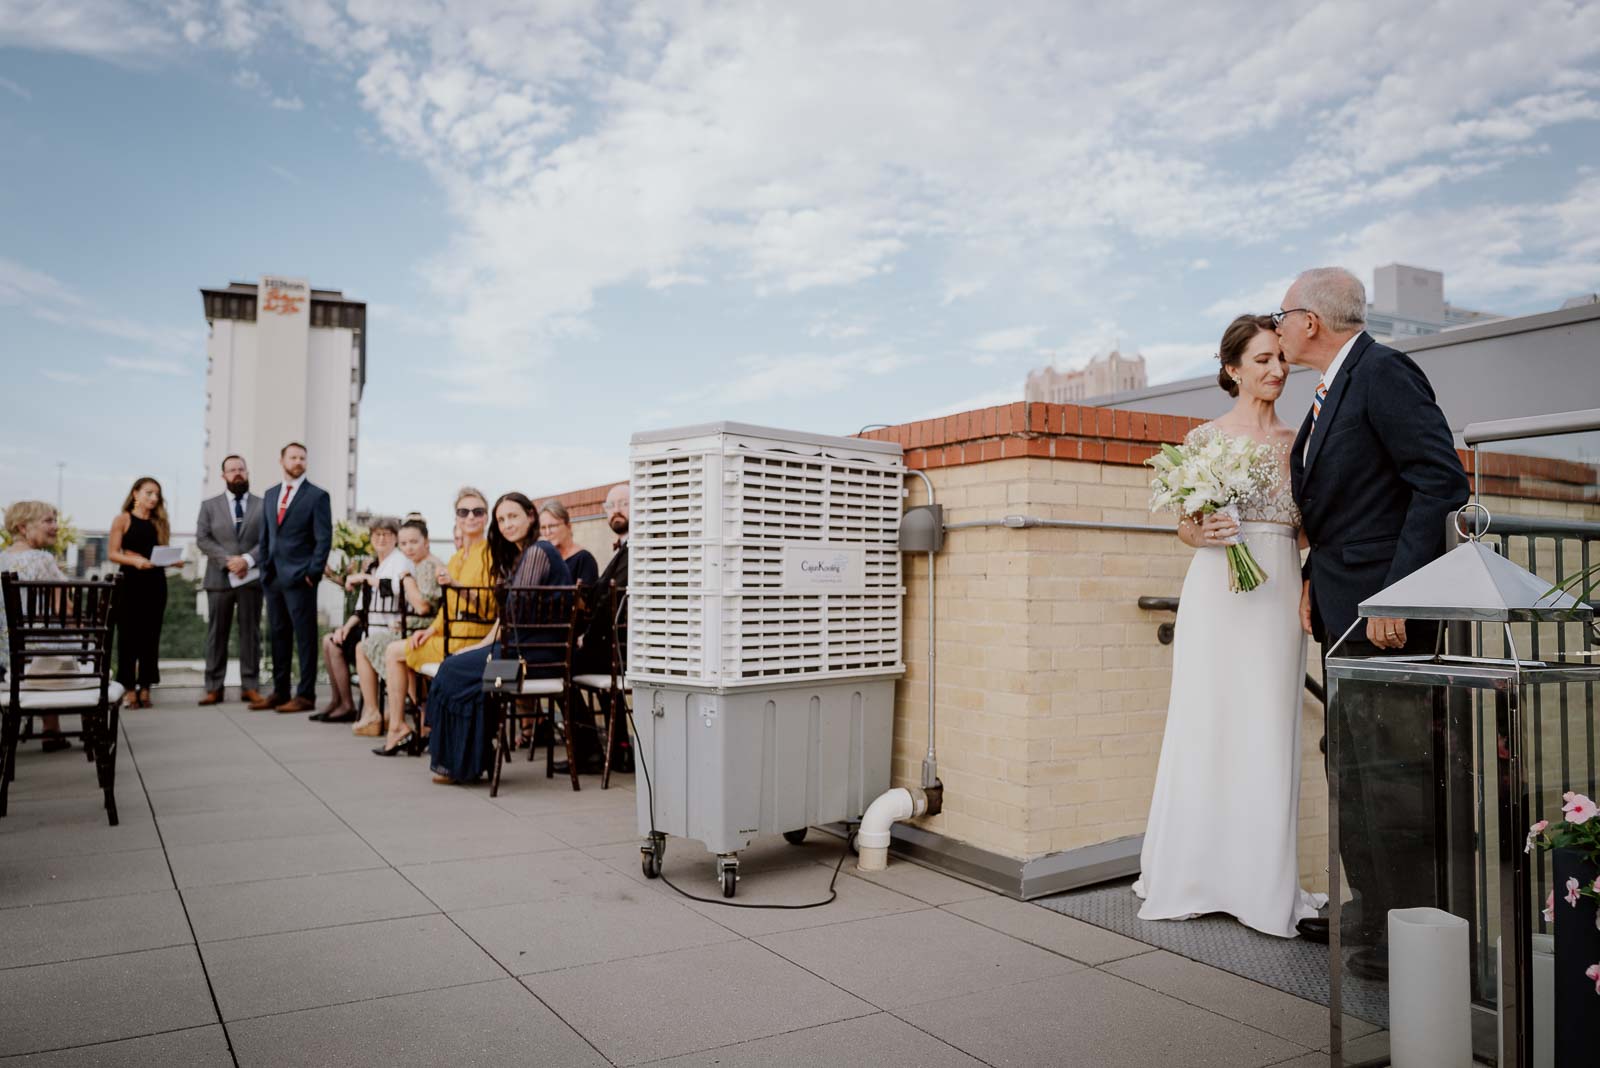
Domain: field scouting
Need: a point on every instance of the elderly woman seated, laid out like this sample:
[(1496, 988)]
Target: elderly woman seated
[(31, 526), (420, 590), (339, 645)]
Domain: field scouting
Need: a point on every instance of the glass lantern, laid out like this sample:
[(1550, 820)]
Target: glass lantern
[(1433, 919)]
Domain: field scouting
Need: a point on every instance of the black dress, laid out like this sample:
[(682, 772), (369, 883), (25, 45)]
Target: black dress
[(140, 604), (583, 569)]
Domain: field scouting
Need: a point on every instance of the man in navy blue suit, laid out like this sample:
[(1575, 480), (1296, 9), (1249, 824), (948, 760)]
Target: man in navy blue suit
[(296, 533), (1375, 474)]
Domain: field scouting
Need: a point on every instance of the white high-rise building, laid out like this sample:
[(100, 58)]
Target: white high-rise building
[(285, 362)]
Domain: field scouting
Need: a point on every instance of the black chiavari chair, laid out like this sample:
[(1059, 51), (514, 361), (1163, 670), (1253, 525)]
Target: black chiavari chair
[(610, 690), (60, 664), (538, 627)]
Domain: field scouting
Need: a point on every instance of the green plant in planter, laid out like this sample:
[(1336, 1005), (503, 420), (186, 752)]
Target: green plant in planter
[(351, 540)]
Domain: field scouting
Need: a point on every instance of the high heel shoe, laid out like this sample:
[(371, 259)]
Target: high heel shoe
[(402, 746)]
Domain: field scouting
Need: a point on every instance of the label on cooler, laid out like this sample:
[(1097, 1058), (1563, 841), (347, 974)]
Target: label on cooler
[(813, 568)]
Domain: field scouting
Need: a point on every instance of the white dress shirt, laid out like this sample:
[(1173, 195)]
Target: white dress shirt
[(1327, 380)]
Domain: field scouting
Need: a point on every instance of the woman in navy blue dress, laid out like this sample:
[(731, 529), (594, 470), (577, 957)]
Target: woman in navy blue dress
[(461, 743)]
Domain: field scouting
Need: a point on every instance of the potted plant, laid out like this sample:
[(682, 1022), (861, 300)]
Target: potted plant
[(1573, 908)]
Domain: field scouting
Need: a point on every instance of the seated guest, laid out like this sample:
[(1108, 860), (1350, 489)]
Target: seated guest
[(594, 645), (468, 567), (32, 526), (339, 645), (461, 745), (555, 527), (421, 592)]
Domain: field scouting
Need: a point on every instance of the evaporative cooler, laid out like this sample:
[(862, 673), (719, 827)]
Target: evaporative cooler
[(764, 610)]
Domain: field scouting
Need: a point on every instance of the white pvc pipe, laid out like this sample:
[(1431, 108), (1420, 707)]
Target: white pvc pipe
[(872, 840)]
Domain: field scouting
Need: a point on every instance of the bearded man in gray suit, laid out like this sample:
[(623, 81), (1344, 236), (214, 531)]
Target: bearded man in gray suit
[(229, 525)]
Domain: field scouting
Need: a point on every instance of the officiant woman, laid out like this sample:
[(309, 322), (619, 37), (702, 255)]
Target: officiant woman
[(142, 600)]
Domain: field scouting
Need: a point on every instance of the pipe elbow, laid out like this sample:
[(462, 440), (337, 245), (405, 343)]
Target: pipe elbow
[(873, 837)]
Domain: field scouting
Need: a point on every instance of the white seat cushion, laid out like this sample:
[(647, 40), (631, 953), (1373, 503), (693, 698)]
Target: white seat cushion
[(61, 700), (598, 682), (541, 687), (430, 670)]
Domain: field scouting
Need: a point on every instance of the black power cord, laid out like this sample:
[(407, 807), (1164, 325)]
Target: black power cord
[(650, 795)]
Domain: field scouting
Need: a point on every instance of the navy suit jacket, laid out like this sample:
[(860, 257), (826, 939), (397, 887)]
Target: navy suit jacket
[(298, 549), (1376, 485)]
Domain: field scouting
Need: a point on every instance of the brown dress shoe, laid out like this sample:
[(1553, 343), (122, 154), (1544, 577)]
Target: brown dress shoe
[(250, 697), (211, 697), (261, 704), (297, 704)]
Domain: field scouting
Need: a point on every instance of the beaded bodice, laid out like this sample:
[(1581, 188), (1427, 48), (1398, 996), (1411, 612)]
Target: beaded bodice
[(1275, 504)]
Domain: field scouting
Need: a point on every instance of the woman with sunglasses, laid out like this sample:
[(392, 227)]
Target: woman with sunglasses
[(461, 747), (470, 566)]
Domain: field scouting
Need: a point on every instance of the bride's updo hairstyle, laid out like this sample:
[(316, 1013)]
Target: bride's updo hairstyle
[(1235, 340)]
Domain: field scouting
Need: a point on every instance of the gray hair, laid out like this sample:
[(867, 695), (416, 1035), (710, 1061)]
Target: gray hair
[(1336, 295), (385, 522)]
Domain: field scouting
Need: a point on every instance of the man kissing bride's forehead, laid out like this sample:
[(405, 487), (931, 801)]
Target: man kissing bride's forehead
[(1361, 483)]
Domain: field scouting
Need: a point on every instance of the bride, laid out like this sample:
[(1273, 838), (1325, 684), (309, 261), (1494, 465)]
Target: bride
[(1223, 819)]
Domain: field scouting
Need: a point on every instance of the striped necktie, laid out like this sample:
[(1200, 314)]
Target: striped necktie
[(1316, 402)]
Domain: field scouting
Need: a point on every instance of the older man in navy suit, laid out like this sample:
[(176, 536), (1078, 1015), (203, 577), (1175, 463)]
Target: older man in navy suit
[(1375, 474), (296, 534)]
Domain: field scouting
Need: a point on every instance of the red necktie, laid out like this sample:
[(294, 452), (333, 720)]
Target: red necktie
[(283, 502)]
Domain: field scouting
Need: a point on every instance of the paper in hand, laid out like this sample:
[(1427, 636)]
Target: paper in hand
[(239, 580), (166, 555)]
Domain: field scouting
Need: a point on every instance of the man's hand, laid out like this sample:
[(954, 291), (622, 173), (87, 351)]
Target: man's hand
[(1386, 633), (237, 567), (1305, 605), (311, 582)]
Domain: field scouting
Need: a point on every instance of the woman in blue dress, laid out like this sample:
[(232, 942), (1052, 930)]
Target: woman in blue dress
[(461, 743)]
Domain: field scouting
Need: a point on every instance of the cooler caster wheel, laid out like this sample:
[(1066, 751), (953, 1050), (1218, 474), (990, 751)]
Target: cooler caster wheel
[(650, 857), (795, 837), (730, 881)]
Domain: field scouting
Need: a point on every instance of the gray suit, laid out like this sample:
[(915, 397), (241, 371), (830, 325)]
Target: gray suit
[(215, 534)]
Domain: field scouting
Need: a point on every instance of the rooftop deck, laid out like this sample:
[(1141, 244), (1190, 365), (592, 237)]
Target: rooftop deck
[(277, 895)]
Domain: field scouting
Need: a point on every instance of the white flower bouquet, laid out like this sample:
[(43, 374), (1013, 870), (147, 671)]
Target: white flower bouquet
[(1214, 473)]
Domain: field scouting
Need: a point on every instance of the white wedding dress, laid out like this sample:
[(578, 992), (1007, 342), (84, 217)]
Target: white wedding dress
[(1223, 819)]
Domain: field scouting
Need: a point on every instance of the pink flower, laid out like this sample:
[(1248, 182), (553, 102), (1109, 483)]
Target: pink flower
[(1550, 908), (1572, 892), (1578, 808), (1594, 973), (1533, 835)]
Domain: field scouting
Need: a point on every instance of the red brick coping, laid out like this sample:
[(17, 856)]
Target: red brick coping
[(1114, 436)]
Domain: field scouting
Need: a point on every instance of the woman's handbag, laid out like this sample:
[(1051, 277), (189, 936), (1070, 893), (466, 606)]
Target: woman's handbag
[(502, 676)]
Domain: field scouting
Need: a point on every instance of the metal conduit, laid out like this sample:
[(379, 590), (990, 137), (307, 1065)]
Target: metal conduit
[(1022, 522), (930, 762)]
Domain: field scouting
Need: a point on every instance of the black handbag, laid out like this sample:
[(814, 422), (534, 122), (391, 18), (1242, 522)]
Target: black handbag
[(502, 675)]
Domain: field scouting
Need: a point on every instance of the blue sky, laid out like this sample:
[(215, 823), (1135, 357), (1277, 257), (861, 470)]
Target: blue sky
[(572, 220)]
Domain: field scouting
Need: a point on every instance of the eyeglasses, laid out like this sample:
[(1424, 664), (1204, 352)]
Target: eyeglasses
[(462, 513), (1279, 316)]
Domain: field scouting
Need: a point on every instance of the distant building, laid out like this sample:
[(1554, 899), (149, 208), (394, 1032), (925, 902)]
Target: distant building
[(284, 363), (1111, 373), (1409, 302)]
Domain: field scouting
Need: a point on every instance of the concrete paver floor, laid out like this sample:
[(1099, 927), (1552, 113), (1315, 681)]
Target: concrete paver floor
[(277, 895)]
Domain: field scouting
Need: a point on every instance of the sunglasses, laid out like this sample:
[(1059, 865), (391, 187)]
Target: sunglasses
[(462, 513)]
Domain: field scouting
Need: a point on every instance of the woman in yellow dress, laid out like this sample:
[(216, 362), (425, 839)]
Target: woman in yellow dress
[(469, 567)]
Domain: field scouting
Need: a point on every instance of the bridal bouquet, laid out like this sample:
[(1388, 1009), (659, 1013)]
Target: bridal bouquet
[(1214, 474)]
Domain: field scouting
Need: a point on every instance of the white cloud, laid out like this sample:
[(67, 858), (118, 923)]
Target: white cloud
[(144, 366), (47, 298), (1000, 154), (766, 378), (1008, 340), (66, 378), (104, 28), (17, 90)]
